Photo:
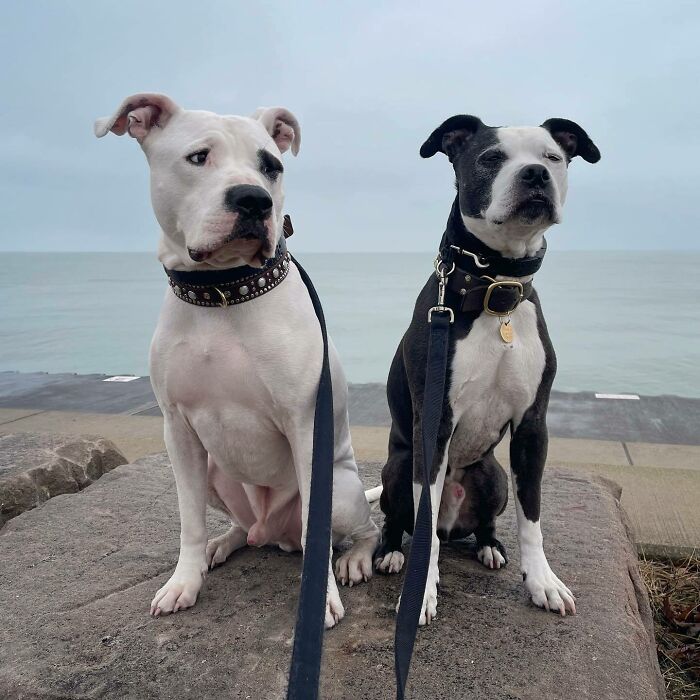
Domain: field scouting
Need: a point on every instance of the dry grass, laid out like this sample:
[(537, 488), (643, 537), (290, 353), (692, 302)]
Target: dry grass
[(674, 593)]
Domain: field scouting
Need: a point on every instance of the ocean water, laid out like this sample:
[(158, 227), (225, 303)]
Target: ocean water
[(620, 322)]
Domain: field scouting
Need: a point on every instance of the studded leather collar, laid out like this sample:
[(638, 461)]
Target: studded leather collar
[(231, 286)]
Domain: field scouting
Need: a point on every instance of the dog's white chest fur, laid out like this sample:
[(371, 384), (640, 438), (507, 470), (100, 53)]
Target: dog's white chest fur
[(493, 383)]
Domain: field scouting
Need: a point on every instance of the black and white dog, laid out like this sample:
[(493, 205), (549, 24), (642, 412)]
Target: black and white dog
[(511, 184)]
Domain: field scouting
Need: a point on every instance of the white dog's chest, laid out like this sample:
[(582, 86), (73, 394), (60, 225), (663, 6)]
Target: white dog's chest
[(493, 383), (238, 382)]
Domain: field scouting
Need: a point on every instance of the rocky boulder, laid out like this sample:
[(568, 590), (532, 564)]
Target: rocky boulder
[(35, 467)]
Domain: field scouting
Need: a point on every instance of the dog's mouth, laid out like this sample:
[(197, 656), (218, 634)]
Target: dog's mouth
[(248, 240), (534, 207)]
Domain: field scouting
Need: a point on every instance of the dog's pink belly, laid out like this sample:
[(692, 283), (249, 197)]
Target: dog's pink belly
[(269, 515)]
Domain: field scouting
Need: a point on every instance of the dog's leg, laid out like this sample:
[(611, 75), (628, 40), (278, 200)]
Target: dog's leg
[(189, 460), (429, 609), (300, 438), (351, 518), (528, 453), (490, 487)]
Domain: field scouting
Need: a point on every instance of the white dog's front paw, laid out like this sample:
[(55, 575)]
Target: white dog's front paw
[(334, 608), (355, 565), (390, 563), (178, 593), (546, 590)]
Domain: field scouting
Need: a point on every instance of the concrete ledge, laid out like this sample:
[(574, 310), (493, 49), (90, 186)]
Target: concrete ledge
[(36, 467), (78, 575)]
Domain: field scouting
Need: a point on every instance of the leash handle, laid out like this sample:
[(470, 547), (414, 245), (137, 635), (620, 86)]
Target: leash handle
[(305, 667), (419, 557)]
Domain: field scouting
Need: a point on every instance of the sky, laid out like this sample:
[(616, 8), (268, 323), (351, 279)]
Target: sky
[(368, 82)]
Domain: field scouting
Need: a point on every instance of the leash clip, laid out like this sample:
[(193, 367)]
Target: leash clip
[(442, 276)]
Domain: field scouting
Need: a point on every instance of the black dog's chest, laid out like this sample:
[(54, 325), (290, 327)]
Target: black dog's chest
[(492, 383)]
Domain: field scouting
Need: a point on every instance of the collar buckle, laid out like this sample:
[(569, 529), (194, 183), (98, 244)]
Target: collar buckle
[(500, 285)]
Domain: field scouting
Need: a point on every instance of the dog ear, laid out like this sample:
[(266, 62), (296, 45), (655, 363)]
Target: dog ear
[(451, 136), (573, 140), (282, 125), (138, 114)]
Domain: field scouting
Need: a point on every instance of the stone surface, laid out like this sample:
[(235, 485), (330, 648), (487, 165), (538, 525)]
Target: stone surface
[(35, 467), (78, 575)]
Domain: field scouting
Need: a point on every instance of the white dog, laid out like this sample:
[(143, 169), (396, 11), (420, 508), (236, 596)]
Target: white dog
[(235, 367)]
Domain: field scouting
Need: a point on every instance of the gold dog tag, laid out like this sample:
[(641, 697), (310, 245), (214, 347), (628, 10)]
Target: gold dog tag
[(506, 331)]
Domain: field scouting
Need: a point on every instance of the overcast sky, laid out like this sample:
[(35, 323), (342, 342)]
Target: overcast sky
[(368, 81)]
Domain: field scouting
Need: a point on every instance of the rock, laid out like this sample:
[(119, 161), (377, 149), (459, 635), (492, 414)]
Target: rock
[(35, 467), (78, 575)]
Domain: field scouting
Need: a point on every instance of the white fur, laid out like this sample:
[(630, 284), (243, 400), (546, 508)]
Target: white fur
[(493, 383), (490, 557), (237, 385), (523, 145), (545, 589)]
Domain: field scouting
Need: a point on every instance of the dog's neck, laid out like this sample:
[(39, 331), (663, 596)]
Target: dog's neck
[(503, 264), (480, 239)]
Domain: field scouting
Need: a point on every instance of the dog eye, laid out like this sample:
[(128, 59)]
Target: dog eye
[(492, 157), (270, 167), (553, 157), (198, 157)]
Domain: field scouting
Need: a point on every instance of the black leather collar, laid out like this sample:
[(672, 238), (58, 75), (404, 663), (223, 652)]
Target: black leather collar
[(233, 285), (467, 252)]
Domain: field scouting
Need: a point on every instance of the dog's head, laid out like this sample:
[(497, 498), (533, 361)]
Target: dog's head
[(216, 181), (511, 180)]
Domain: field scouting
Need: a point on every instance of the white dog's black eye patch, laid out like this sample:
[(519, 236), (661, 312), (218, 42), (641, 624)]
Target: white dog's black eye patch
[(270, 166)]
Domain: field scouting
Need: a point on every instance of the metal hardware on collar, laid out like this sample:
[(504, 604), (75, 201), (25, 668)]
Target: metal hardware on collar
[(224, 301), (495, 285), (477, 258), (441, 309), (442, 276)]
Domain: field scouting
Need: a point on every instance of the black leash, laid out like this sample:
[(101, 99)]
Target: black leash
[(308, 634), (440, 317)]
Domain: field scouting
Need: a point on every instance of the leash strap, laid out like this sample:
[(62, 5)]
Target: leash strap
[(419, 557), (308, 635)]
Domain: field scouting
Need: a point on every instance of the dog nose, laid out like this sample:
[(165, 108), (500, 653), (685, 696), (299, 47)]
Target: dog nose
[(249, 200), (535, 175)]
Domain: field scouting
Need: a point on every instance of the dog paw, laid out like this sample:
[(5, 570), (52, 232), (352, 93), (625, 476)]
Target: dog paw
[(547, 591), (354, 566), (178, 593), (220, 548), (334, 609), (429, 610), (492, 556), (390, 563)]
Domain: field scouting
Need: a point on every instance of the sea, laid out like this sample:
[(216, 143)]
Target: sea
[(621, 322)]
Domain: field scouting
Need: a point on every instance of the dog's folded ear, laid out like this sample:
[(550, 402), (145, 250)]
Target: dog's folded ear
[(282, 125), (574, 141), (451, 136), (138, 114)]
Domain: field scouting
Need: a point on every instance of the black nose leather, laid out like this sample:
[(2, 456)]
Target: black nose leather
[(249, 200), (534, 175)]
